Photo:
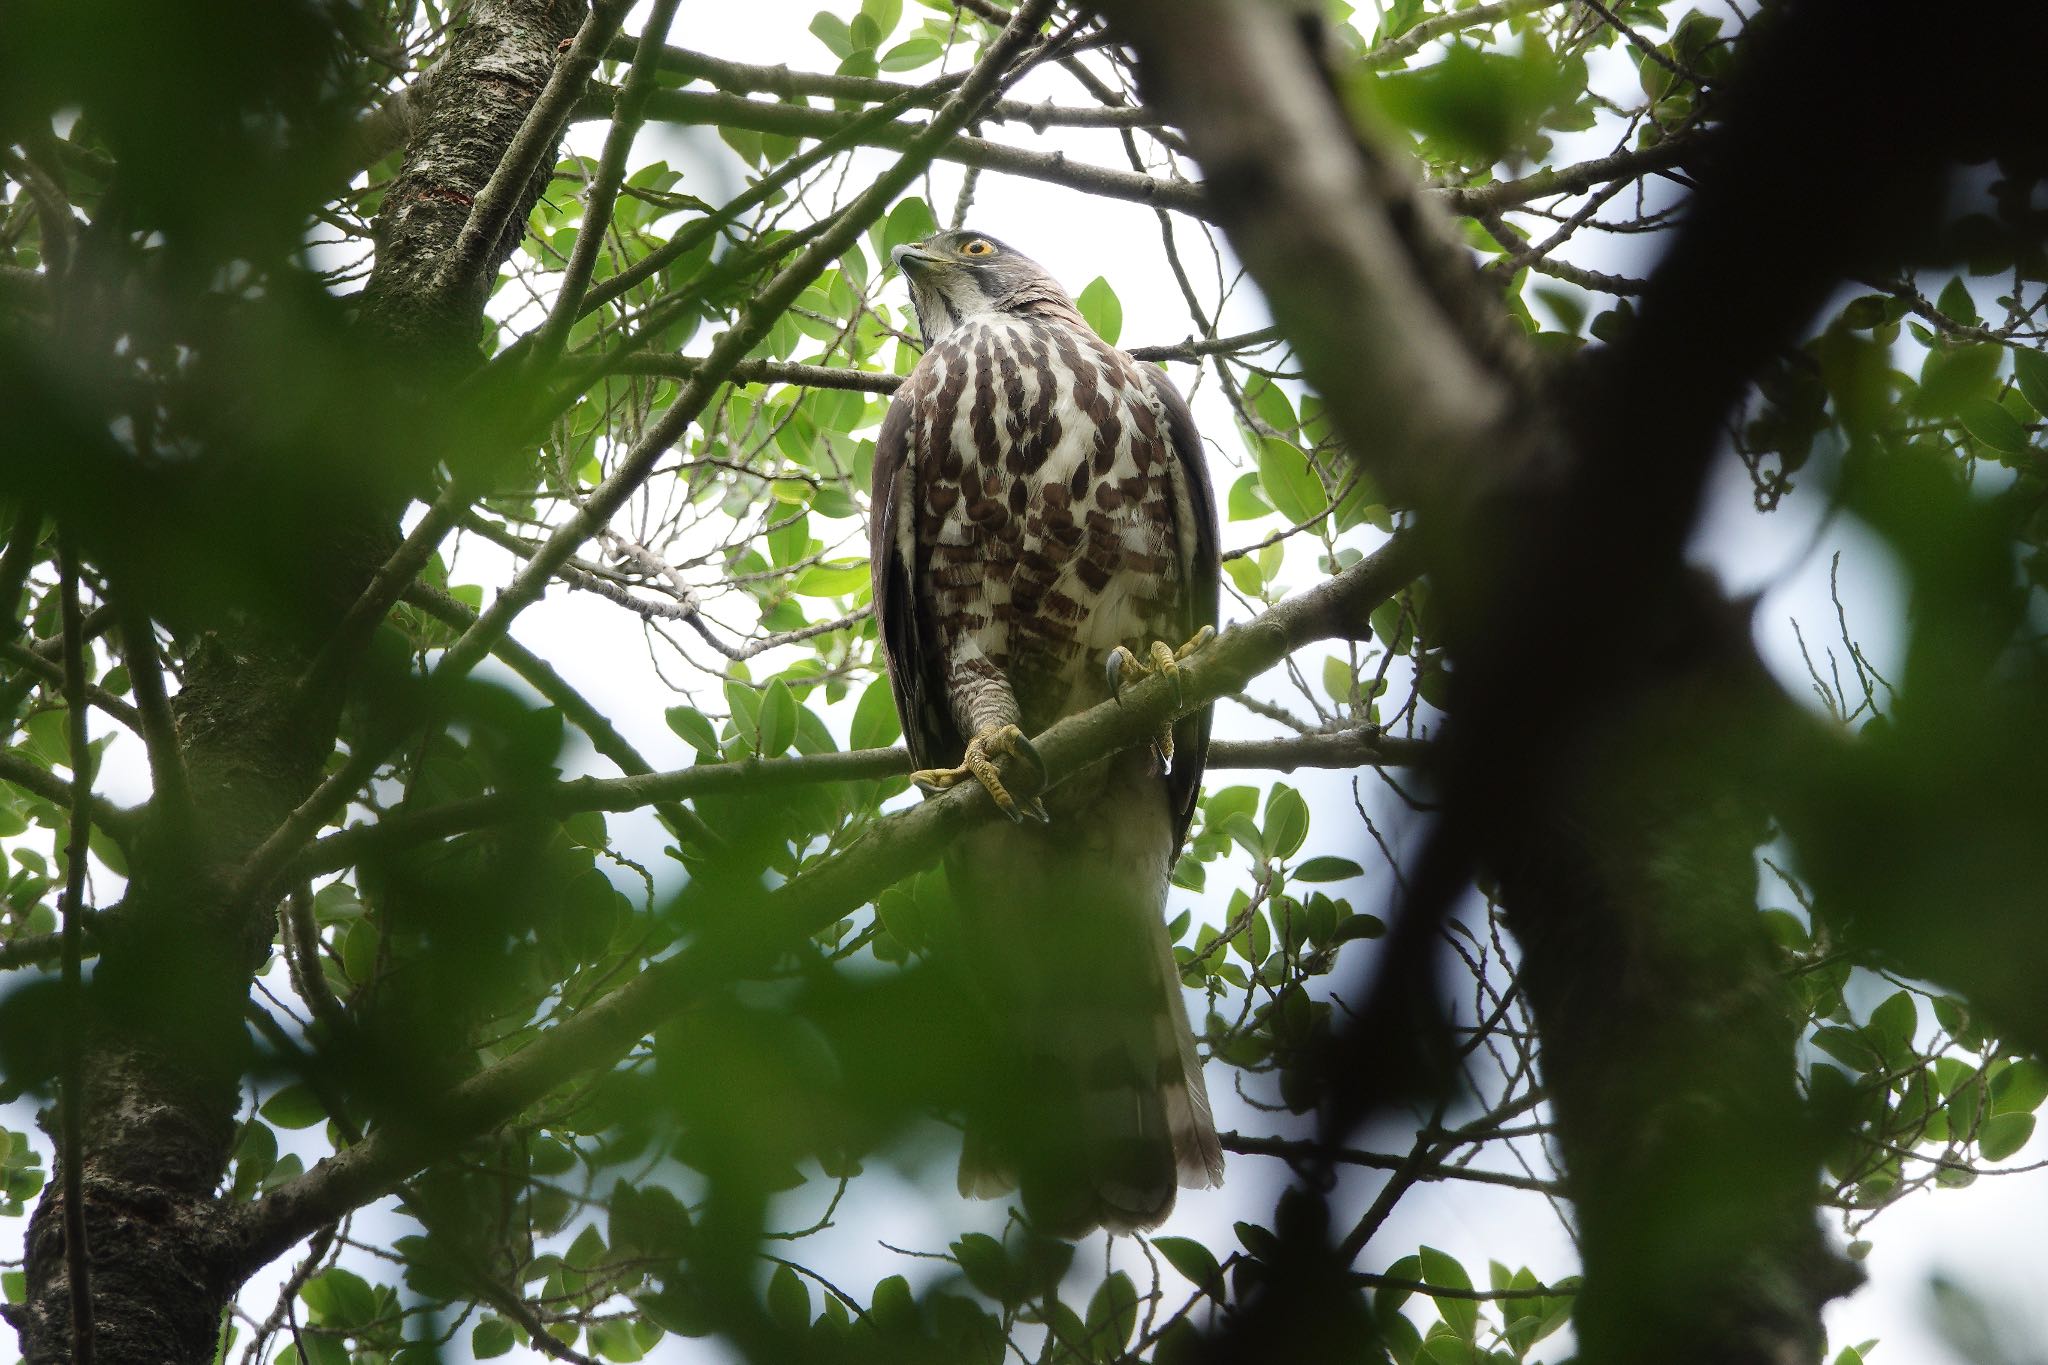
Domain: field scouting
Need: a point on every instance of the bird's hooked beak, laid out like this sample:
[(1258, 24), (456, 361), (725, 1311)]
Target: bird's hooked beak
[(909, 255)]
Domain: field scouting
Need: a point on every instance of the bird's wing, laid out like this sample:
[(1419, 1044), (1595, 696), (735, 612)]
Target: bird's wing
[(899, 610), (1201, 570)]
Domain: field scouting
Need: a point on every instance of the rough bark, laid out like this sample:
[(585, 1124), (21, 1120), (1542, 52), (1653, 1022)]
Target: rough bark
[(166, 1047)]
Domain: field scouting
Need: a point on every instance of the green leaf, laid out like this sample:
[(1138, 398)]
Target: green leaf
[(1993, 425), (340, 1298), (294, 1107), (1193, 1260), (1954, 372), (885, 14), (1112, 1316), (1246, 831), (910, 54), (1849, 1047), (1286, 821), (615, 1341), (910, 221), (1326, 869), (491, 1337), (1894, 1020), (1445, 1272), (1339, 678), (833, 578), (2004, 1134), (1955, 301), (789, 1303), (832, 31), (695, 728), (875, 724), (1099, 307), (986, 1265), (1245, 576), (2020, 1088), (745, 704), (777, 721), (1295, 489), (2030, 368), (1246, 502)]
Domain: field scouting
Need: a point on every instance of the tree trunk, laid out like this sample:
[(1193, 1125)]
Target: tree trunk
[(166, 1048)]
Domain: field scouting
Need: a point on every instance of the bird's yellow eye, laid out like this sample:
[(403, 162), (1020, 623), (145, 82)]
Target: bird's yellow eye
[(978, 247)]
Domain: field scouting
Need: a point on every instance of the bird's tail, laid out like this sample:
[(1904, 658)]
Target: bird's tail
[(1101, 1111)]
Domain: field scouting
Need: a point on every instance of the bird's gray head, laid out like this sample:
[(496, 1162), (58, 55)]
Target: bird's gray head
[(955, 275)]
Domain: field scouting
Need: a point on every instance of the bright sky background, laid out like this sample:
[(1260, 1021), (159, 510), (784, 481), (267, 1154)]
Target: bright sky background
[(1986, 1236)]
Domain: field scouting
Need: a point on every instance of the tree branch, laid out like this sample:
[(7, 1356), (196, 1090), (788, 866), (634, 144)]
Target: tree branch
[(787, 83), (870, 381), (1345, 749), (501, 197), (611, 170), (120, 824), (531, 581), (738, 939), (796, 120)]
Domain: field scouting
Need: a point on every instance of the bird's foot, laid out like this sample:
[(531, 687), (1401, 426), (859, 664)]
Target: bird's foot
[(1123, 668), (980, 764)]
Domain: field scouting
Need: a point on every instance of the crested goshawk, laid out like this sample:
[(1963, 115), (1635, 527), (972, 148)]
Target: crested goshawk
[(1041, 508)]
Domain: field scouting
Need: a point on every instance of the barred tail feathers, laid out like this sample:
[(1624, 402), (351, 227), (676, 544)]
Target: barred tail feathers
[(1101, 1111)]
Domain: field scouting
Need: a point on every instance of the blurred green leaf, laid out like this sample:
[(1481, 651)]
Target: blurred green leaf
[(1992, 424)]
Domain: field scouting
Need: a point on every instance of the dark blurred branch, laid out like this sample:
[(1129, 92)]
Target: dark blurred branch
[(744, 931), (24, 536), (1286, 184), (33, 662), (1296, 1150), (1621, 826), (1575, 179), (159, 728)]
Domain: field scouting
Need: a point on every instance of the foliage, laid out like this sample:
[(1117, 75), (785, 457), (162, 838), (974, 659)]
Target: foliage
[(220, 361)]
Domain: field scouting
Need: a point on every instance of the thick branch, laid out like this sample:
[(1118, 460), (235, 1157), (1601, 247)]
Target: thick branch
[(1284, 173)]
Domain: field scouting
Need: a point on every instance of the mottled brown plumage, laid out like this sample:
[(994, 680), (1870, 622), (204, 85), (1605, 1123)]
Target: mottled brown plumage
[(1040, 500)]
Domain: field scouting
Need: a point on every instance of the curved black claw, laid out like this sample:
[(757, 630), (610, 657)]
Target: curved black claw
[(1022, 748), (1113, 671)]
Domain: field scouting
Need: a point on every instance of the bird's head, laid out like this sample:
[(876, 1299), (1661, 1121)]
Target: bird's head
[(955, 275)]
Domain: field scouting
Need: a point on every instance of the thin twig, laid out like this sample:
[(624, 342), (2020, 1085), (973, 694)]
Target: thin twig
[(604, 190)]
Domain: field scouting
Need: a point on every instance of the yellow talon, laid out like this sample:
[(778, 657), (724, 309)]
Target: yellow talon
[(979, 763), (1122, 666)]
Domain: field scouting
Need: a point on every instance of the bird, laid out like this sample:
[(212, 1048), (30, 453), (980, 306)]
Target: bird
[(1043, 531)]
